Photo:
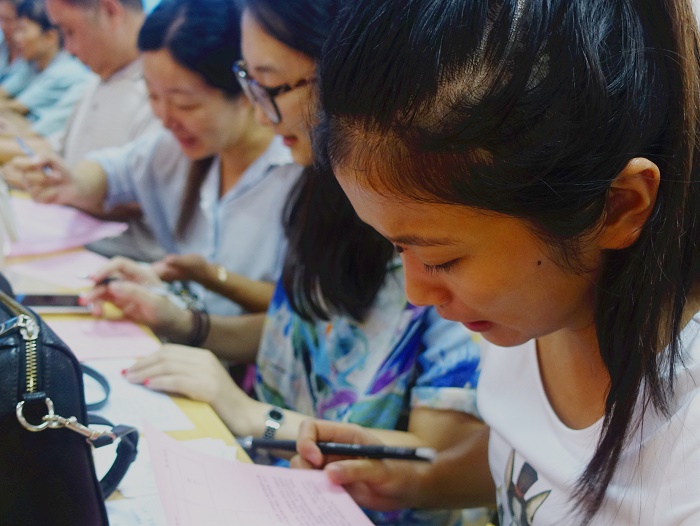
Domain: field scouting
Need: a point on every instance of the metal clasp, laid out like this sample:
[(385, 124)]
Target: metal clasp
[(53, 421), (19, 411)]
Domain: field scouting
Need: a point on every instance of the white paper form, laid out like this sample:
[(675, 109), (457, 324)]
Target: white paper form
[(130, 404), (199, 490), (144, 511)]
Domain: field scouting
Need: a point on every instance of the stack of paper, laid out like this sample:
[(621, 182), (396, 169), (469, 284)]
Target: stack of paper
[(199, 490), (91, 339), (42, 229)]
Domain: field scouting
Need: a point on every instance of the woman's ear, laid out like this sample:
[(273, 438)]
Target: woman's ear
[(630, 201), (114, 10)]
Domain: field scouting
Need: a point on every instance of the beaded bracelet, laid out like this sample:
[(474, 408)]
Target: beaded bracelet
[(201, 324)]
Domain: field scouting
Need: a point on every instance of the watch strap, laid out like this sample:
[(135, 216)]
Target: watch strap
[(273, 421)]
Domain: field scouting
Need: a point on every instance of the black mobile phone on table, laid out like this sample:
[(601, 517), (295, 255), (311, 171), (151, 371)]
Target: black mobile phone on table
[(53, 303)]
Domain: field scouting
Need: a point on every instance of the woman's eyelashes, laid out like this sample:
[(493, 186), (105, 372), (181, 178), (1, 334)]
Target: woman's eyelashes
[(431, 269), (442, 267)]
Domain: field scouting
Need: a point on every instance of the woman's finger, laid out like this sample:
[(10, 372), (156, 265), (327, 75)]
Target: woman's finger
[(171, 359)]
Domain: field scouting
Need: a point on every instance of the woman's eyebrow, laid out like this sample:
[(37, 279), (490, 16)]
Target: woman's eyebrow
[(421, 241), (265, 68), (181, 91)]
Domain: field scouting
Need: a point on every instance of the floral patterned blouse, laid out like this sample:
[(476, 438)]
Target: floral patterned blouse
[(369, 373)]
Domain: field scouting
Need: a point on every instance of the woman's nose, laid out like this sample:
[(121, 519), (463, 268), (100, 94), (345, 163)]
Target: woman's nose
[(261, 116), (422, 289), (165, 115)]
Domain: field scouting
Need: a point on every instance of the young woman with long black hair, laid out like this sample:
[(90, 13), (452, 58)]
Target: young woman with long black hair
[(536, 163)]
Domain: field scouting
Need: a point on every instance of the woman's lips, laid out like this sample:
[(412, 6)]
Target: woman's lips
[(187, 142), (289, 141)]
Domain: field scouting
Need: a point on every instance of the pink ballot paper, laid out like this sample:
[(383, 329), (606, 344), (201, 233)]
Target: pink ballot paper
[(197, 489), (68, 270), (92, 339), (49, 228)]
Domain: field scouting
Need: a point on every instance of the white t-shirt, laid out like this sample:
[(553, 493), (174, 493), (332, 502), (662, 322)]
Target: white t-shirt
[(241, 230), (535, 459), (111, 112)]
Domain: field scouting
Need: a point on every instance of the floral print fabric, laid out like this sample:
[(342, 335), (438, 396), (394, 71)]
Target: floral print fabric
[(370, 373)]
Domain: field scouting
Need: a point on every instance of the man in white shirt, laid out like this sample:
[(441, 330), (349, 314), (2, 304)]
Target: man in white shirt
[(115, 109), (103, 34)]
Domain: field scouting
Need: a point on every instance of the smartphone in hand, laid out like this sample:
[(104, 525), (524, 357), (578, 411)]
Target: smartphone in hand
[(53, 303)]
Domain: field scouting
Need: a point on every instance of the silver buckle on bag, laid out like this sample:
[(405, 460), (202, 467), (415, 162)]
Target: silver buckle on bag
[(53, 421), (19, 411)]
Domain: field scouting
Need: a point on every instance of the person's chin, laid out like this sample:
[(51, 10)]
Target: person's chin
[(302, 155), (503, 337), (193, 149)]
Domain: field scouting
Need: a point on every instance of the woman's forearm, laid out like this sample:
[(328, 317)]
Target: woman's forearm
[(460, 476), (235, 338), (88, 188), (248, 418), (252, 295), (232, 338)]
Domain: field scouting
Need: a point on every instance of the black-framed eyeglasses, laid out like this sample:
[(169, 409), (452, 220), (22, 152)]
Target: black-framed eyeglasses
[(262, 95)]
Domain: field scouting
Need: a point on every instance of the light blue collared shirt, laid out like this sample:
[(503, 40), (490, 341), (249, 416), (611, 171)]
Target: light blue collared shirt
[(17, 76), (242, 230), (51, 95)]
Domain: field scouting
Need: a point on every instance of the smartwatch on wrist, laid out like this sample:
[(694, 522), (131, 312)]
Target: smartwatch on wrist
[(273, 421)]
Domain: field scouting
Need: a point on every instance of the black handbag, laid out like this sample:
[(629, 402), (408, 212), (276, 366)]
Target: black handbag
[(47, 473)]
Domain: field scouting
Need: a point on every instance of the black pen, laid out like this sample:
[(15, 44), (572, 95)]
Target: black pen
[(160, 291), (349, 450), (107, 280)]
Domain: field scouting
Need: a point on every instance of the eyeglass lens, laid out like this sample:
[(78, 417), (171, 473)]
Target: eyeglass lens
[(266, 102), (256, 93)]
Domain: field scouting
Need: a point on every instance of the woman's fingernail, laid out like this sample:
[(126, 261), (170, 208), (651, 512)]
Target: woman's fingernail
[(124, 371), (334, 473), (146, 382)]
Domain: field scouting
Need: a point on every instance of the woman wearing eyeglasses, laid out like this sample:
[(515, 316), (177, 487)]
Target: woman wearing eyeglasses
[(339, 341), (294, 131), (212, 185)]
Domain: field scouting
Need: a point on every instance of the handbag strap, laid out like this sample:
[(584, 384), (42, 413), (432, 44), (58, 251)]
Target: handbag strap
[(126, 451), (104, 383), (128, 436)]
